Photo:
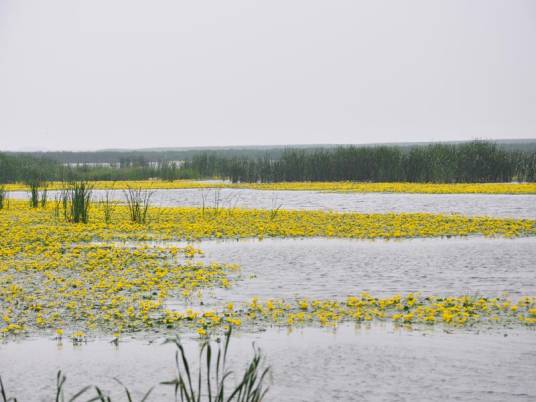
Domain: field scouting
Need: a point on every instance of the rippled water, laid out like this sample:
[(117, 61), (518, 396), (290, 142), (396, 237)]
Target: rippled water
[(350, 364), (354, 363), (335, 268), (503, 205)]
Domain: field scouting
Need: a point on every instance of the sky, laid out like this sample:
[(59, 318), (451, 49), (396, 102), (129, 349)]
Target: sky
[(94, 74)]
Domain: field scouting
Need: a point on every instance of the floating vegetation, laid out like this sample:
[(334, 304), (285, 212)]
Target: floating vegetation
[(211, 384), (79, 280), (342, 186)]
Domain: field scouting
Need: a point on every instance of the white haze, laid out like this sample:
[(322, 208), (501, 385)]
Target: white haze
[(93, 74)]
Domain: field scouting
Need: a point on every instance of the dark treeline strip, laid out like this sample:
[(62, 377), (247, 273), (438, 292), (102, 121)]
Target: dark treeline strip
[(22, 168), (143, 157), (476, 161)]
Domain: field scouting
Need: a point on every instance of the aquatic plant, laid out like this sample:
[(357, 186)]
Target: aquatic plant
[(107, 206), (77, 201), (44, 195), (3, 197), (138, 201), (85, 278), (475, 161), (34, 193), (212, 382)]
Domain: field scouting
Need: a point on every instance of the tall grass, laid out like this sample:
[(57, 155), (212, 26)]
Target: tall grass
[(211, 380), (76, 200), (138, 201), (34, 193), (44, 196), (209, 384), (475, 161), (107, 206)]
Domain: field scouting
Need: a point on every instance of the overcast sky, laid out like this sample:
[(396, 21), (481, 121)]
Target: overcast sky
[(94, 74)]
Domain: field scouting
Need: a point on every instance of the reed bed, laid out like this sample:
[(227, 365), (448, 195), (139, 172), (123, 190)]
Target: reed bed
[(138, 201)]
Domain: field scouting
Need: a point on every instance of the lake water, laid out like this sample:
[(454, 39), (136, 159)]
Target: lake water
[(501, 205), (352, 363), (335, 268), (375, 362)]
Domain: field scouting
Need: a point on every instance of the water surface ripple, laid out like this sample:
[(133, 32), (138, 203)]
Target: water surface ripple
[(335, 268), (498, 205), (311, 364)]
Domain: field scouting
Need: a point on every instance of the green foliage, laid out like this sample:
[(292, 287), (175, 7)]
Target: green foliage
[(107, 206), (476, 161), (212, 381), (34, 193), (3, 197), (138, 201), (76, 202)]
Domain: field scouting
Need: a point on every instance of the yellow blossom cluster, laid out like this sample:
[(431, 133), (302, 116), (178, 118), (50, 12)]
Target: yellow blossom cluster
[(344, 186), (195, 223), (79, 279), (411, 309)]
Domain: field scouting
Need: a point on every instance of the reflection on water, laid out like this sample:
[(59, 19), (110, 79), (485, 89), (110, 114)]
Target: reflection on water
[(503, 205), (378, 363)]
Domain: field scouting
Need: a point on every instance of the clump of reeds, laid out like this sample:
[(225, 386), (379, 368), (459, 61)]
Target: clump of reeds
[(276, 206), (138, 201), (210, 385), (34, 192), (3, 197), (107, 206), (212, 379), (76, 201), (44, 195)]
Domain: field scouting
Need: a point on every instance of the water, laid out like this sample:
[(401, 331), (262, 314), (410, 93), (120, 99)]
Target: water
[(353, 363), (499, 205), (335, 268)]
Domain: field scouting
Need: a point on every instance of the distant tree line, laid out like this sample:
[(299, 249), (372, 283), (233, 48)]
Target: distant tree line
[(27, 169), (145, 156), (476, 161)]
